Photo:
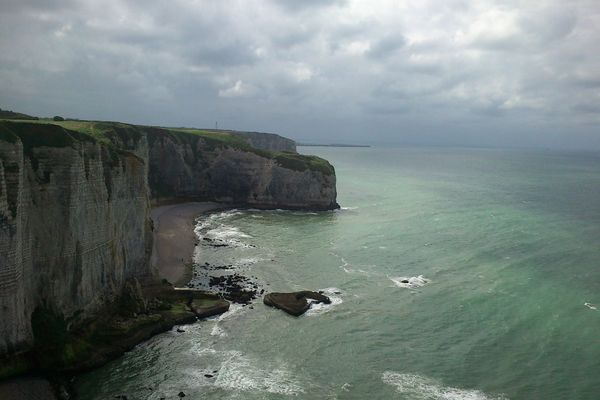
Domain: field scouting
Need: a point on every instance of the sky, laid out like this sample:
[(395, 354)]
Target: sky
[(503, 73)]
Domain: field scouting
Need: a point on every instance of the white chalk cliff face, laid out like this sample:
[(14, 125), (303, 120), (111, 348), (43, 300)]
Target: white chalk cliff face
[(73, 228), (195, 170), (74, 213)]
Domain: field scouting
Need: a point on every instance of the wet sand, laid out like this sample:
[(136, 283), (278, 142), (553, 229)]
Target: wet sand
[(174, 239)]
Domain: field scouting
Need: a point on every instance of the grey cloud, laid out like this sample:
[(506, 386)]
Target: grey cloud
[(322, 69), (297, 5), (387, 46), (227, 55)]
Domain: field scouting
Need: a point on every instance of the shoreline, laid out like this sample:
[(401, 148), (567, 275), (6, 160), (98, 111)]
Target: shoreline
[(173, 246), (174, 239)]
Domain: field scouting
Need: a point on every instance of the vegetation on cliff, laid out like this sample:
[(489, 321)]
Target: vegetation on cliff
[(15, 115), (61, 345), (117, 135)]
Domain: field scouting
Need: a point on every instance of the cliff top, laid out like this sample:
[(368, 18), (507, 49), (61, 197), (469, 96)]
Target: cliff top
[(47, 132)]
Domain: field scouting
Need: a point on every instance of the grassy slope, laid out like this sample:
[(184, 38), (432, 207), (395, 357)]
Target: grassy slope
[(105, 132), (15, 115)]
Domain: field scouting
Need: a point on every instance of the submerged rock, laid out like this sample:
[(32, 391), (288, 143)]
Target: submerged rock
[(295, 303)]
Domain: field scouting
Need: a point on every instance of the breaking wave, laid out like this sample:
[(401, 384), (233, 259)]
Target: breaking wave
[(412, 282), (422, 388), (334, 295)]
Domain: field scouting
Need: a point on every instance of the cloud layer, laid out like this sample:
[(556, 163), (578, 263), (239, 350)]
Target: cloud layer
[(482, 72)]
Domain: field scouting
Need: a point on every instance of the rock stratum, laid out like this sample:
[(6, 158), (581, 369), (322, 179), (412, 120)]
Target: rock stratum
[(75, 200)]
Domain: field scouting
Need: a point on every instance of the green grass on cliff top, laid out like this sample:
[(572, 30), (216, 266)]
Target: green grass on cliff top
[(294, 161), (105, 132)]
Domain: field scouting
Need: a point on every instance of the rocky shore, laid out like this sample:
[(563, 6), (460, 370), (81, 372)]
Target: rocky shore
[(145, 308), (81, 278)]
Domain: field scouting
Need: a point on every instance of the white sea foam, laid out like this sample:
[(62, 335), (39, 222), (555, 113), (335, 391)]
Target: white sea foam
[(334, 295), (346, 267), (218, 331), (345, 264), (222, 234), (590, 306), (346, 209), (241, 373), (212, 220), (422, 388), (412, 282), (233, 312)]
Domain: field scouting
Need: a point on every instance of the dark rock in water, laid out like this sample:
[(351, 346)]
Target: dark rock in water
[(181, 394), (208, 375), (404, 281), (295, 303), (235, 288), (180, 330)]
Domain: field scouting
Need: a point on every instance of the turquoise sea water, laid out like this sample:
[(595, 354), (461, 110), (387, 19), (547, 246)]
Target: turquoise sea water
[(502, 252)]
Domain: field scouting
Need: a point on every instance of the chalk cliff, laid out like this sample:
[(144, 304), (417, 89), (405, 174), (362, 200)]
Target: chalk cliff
[(75, 202), (268, 141), (191, 166)]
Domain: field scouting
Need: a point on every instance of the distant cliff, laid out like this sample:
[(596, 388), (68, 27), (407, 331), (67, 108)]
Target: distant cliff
[(268, 141), (227, 170), (75, 201)]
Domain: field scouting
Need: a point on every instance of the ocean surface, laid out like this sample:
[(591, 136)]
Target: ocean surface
[(501, 251)]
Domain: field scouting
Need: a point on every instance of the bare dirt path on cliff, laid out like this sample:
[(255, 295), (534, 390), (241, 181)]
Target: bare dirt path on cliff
[(174, 239)]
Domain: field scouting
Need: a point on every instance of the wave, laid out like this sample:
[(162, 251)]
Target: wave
[(412, 282), (217, 330), (590, 306), (236, 372), (345, 209), (321, 308), (422, 388), (213, 228), (239, 372)]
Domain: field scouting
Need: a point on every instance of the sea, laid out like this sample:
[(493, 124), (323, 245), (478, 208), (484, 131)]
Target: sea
[(454, 273)]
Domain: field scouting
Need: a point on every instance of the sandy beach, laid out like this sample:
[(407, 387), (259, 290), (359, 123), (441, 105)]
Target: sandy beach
[(174, 239)]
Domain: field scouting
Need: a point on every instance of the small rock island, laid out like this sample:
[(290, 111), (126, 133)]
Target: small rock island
[(295, 303)]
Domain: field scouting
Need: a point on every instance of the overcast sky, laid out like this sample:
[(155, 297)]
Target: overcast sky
[(481, 72)]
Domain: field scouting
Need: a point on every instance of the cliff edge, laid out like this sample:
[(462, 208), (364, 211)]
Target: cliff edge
[(75, 200)]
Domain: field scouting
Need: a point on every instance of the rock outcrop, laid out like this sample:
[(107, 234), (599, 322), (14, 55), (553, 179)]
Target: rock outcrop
[(295, 303), (75, 206)]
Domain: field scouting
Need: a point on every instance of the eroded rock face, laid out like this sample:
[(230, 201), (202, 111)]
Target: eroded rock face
[(294, 303), (75, 214), (195, 170), (74, 225)]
